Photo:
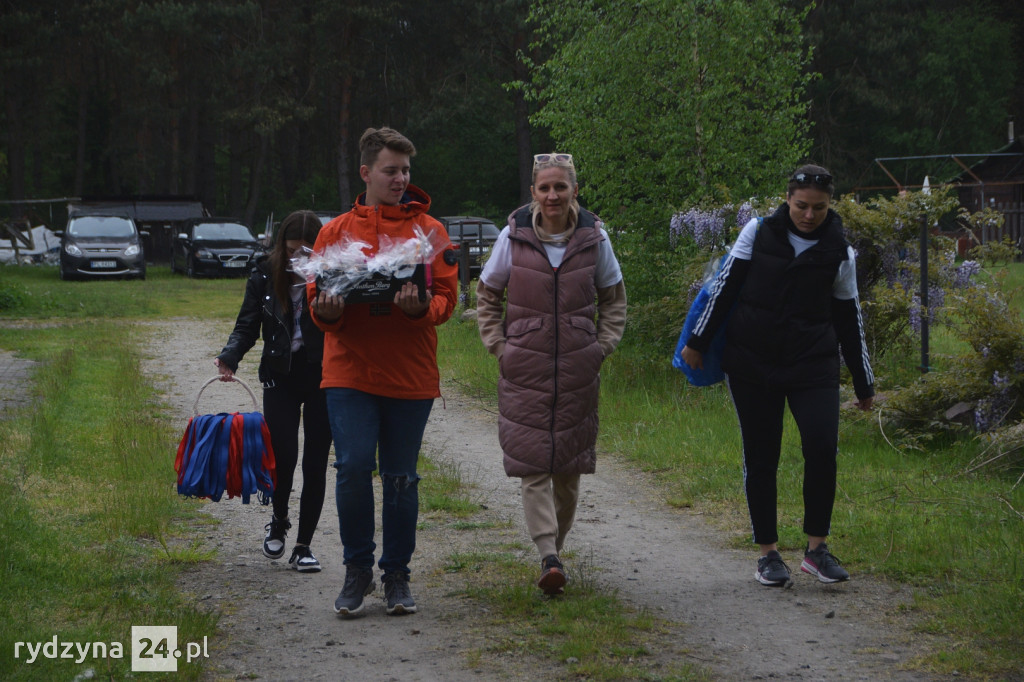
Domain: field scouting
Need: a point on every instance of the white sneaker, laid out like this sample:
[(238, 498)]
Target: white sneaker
[(302, 560), (273, 543)]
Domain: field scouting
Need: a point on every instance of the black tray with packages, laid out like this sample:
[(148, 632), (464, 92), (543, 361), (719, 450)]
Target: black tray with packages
[(378, 288)]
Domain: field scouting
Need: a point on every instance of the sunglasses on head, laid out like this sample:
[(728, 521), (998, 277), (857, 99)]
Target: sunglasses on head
[(560, 159), (819, 179)]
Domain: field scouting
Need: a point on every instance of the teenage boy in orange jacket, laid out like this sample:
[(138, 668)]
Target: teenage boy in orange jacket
[(380, 375)]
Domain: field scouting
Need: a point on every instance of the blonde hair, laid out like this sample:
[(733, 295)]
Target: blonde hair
[(552, 163)]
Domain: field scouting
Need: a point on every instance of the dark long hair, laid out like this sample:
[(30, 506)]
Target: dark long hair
[(303, 226)]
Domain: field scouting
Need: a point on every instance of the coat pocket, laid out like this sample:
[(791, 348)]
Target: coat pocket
[(584, 323), (522, 327)]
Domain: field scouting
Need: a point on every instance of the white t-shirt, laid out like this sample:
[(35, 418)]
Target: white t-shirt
[(498, 268), (845, 286)]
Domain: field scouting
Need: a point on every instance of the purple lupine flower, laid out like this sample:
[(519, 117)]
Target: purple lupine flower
[(745, 213), (993, 409), (963, 274), (936, 300), (915, 314), (706, 228), (675, 228)]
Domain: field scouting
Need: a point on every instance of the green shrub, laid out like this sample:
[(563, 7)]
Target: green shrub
[(12, 295)]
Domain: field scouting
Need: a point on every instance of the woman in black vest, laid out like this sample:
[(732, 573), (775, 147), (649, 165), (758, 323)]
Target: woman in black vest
[(794, 285), (290, 370)]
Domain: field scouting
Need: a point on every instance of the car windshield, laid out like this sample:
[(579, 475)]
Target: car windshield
[(472, 231), (223, 231), (101, 226)]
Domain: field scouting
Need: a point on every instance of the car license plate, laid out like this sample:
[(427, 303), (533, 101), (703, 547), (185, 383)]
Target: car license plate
[(235, 264), (104, 263)]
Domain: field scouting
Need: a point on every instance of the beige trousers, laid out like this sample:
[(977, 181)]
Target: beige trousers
[(549, 501)]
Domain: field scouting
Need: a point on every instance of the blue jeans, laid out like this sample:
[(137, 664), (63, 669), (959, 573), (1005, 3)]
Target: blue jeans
[(365, 425)]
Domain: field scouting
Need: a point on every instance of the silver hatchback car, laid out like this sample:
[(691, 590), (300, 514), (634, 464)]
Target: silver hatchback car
[(101, 246)]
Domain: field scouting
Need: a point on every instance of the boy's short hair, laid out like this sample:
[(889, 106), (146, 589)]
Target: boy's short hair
[(375, 139)]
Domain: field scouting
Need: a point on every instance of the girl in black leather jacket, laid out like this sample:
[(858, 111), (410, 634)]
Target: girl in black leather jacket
[(290, 371)]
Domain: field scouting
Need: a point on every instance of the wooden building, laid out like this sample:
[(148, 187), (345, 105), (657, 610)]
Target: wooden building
[(997, 181)]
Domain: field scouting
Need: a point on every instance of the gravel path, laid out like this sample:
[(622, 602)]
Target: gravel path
[(277, 624)]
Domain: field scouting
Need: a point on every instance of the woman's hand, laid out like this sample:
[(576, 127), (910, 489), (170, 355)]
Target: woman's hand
[(226, 373), (328, 308), (865, 404), (408, 300), (693, 358)]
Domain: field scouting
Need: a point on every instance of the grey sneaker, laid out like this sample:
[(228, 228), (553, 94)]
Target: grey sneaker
[(772, 570), (397, 595), (273, 543), (358, 584), (303, 561), (820, 563)]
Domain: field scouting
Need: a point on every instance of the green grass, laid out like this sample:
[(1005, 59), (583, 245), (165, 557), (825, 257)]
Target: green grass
[(588, 632), (903, 515), (443, 490), (95, 535), (39, 294), (92, 526)]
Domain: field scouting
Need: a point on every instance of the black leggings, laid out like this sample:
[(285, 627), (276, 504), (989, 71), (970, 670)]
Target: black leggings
[(760, 411), (282, 408)]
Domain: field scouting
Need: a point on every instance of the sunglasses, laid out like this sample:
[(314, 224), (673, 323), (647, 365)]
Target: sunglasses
[(560, 159), (819, 179)]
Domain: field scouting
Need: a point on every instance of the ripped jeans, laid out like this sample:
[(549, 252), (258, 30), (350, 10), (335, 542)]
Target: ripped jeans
[(365, 425)]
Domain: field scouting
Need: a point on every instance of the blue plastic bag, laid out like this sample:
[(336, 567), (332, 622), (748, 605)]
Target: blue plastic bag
[(712, 372)]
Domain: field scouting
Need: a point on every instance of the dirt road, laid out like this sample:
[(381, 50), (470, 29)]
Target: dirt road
[(277, 624)]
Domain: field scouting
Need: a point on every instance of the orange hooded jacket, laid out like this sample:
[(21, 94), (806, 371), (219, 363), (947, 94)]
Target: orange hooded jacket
[(375, 347)]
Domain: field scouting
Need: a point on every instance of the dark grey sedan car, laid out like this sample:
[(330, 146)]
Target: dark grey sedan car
[(214, 247), (475, 235), (101, 246)]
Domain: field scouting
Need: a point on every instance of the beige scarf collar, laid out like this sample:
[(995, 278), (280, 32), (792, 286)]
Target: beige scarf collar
[(570, 225)]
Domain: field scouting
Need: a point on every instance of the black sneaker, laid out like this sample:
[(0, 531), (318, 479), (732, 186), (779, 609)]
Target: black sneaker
[(820, 563), (772, 570), (273, 544), (397, 595), (303, 560), (552, 575), (358, 584)]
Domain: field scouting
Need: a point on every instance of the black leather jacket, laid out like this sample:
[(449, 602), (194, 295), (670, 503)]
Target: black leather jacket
[(262, 311)]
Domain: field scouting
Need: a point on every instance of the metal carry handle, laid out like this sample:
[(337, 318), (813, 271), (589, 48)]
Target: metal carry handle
[(195, 405)]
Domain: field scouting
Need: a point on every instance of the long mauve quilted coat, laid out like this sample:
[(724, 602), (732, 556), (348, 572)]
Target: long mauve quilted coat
[(548, 388)]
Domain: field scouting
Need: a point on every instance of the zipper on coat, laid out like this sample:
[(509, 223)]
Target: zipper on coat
[(554, 395)]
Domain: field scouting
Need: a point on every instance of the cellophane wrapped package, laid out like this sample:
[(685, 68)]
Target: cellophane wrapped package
[(345, 269)]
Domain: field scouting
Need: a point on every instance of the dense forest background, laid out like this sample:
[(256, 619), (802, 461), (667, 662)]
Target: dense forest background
[(256, 106)]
